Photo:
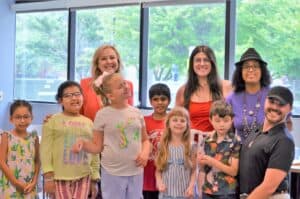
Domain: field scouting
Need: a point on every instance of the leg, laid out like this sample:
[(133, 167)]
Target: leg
[(135, 187), (113, 186)]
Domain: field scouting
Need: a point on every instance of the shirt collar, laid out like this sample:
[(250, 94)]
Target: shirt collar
[(228, 137), (275, 129)]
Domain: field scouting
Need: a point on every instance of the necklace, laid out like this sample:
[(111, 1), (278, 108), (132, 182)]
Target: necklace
[(247, 129)]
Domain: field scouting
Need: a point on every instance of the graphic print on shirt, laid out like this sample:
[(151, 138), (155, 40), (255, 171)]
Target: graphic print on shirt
[(154, 137), (124, 141)]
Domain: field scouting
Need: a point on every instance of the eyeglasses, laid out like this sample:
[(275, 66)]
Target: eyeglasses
[(70, 95), (275, 101), (248, 67), (20, 117)]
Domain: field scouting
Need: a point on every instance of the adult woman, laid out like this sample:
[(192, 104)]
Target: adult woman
[(202, 87), (251, 81), (106, 59)]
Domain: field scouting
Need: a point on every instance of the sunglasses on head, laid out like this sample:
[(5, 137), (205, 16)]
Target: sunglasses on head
[(273, 100)]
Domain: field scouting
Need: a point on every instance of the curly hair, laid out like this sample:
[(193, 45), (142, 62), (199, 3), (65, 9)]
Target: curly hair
[(239, 83)]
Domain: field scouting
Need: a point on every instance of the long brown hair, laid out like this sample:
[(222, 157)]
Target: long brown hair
[(161, 160), (213, 79)]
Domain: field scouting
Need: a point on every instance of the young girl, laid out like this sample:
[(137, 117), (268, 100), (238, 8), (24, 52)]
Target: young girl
[(176, 161), (119, 132), (19, 155), (220, 158), (68, 174)]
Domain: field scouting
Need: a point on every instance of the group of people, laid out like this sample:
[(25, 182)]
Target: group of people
[(216, 132)]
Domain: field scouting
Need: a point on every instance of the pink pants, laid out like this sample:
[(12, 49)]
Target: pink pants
[(69, 189)]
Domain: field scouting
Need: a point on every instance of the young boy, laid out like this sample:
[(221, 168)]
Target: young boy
[(220, 158), (160, 97)]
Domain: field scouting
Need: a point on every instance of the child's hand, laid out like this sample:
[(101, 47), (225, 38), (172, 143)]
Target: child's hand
[(20, 186), (161, 187), (93, 190), (49, 188), (77, 147), (206, 160), (189, 193), (141, 160), (29, 187)]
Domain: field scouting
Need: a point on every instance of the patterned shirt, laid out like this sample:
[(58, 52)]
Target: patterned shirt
[(217, 182)]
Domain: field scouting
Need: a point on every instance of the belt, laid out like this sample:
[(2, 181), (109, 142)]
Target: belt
[(243, 195), (281, 191)]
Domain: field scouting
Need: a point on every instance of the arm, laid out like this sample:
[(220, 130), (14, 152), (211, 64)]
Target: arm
[(159, 182), (37, 165), (142, 158), (272, 179), (91, 146), (226, 88), (180, 96), (4, 167), (190, 189)]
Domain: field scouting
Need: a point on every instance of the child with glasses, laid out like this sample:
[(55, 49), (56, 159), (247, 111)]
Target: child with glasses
[(68, 174), (19, 155)]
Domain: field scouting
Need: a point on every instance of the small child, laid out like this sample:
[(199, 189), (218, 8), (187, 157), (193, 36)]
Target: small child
[(19, 155), (68, 174), (120, 135), (220, 159), (160, 97), (176, 161)]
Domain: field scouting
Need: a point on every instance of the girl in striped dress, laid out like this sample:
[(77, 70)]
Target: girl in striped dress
[(176, 161)]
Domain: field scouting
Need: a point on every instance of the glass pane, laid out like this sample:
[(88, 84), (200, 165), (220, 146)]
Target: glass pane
[(173, 33), (41, 54), (119, 26), (273, 28)]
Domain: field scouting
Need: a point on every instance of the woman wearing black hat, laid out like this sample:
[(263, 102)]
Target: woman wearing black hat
[(251, 81)]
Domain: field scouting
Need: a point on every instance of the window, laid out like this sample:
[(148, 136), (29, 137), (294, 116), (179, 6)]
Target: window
[(119, 26), (41, 54), (272, 27), (173, 33)]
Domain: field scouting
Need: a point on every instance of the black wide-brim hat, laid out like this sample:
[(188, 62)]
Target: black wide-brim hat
[(250, 54)]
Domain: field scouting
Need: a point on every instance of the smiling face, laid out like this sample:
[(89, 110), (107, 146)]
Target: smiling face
[(108, 61), (177, 125), (201, 64), (118, 89), (251, 72), (21, 118), (71, 100), (275, 112), (160, 104)]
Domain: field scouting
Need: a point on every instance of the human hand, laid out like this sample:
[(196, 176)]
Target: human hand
[(93, 190), (46, 119), (77, 146), (161, 187), (49, 188), (20, 186), (205, 160), (30, 187), (141, 160), (189, 193)]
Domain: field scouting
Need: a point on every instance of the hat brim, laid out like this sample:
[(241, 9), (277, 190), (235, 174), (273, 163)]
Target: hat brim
[(280, 99), (250, 58)]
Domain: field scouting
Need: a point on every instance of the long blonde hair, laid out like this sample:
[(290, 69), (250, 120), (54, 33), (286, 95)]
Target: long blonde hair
[(105, 88), (161, 160), (95, 70)]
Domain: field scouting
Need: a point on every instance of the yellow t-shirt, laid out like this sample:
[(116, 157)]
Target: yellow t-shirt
[(59, 134)]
